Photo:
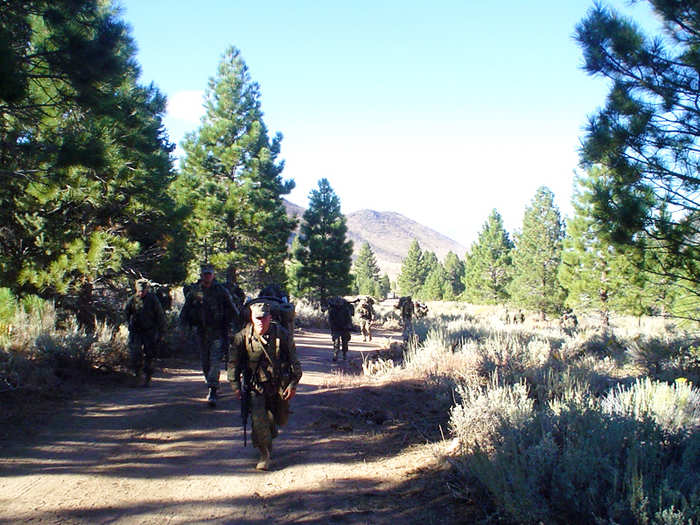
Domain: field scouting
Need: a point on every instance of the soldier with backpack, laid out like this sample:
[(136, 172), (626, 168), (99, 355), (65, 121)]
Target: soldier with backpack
[(209, 310), (366, 312), (264, 351), (405, 306), (340, 313), (147, 324)]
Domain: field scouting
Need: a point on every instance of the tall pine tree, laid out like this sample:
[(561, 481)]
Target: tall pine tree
[(537, 255), (84, 161), (596, 275), (454, 273), (366, 271), (487, 268), (412, 273), (647, 138), (231, 180), (325, 253)]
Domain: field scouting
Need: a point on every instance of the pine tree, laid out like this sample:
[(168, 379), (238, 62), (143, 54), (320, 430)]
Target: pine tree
[(384, 287), (412, 274), (325, 253), (454, 274), (536, 257), (84, 163), (231, 180), (366, 271), (595, 273), (433, 288), (647, 137), (487, 267)]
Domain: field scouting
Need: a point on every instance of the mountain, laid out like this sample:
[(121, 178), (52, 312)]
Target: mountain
[(390, 234)]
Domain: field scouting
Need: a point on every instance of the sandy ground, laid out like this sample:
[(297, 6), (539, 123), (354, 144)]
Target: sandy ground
[(355, 451)]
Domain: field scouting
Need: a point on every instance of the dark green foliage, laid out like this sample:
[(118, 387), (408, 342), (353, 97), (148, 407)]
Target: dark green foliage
[(536, 257), (231, 181), (454, 273), (325, 253), (487, 268), (84, 162), (646, 138), (597, 274), (412, 274), (366, 271)]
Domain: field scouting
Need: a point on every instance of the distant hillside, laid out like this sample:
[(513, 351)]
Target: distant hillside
[(390, 235)]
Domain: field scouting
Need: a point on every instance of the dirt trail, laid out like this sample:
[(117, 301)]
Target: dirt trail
[(159, 455)]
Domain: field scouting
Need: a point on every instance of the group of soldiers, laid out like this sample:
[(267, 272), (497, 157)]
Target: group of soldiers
[(227, 329), (254, 338), (340, 321)]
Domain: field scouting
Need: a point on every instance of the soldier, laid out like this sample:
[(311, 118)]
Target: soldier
[(366, 312), (405, 306), (268, 351), (210, 310), (146, 320), (283, 311), (340, 314)]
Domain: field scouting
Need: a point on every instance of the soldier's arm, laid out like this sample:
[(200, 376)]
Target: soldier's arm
[(234, 369), (294, 364), (160, 315)]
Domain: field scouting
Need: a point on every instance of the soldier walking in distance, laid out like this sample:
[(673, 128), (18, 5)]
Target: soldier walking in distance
[(146, 320), (366, 312), (340, 313), (405, 307), (267, 350), (210, 310)]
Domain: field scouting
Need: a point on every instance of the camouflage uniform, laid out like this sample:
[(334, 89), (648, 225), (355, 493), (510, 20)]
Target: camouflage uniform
[(274, 367), (340, 314), (366, 312), (406, 309), (210, 311), (146, 320)]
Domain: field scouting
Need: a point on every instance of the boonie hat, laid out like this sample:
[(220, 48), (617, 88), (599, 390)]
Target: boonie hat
[(141, 285), (259, 309), (207, 268)]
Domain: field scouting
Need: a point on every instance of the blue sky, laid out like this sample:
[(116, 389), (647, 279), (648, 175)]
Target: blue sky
[(440, 111)]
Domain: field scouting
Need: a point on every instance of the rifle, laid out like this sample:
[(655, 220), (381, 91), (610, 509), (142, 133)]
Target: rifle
[(245, 393)]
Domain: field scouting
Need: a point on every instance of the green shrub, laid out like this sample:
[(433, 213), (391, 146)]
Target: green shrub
[(675, 408)]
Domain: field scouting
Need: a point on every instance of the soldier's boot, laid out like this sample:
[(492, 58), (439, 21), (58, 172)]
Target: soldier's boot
[(146, 380), (211, 397), (265, 459)]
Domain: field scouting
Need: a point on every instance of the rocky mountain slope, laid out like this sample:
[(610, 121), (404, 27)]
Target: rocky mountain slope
[(390, 235)]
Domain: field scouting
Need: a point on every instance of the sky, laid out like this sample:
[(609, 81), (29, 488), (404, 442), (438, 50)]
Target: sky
[(441, 111)]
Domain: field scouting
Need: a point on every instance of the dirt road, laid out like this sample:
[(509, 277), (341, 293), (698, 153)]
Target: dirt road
[(158, 455)]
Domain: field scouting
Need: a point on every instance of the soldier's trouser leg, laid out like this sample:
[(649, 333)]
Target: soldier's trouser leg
[(211, 361), (267, 413), (150, 349), (407, 330), (135, 352), (336, 345), (345, 339)]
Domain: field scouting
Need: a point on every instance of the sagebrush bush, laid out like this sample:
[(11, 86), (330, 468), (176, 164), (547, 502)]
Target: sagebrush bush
[(675, 408), (481, 412)]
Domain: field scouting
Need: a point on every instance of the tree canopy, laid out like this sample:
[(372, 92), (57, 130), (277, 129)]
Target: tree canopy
[(646, 137), (324, 251), (84, 159), (231, 180)]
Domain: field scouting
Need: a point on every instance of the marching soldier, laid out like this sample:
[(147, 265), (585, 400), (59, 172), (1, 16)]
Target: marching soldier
[(267, 350)]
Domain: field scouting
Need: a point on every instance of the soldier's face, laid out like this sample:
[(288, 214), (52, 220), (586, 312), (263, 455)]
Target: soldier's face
[(207, 278), (261, 324)]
